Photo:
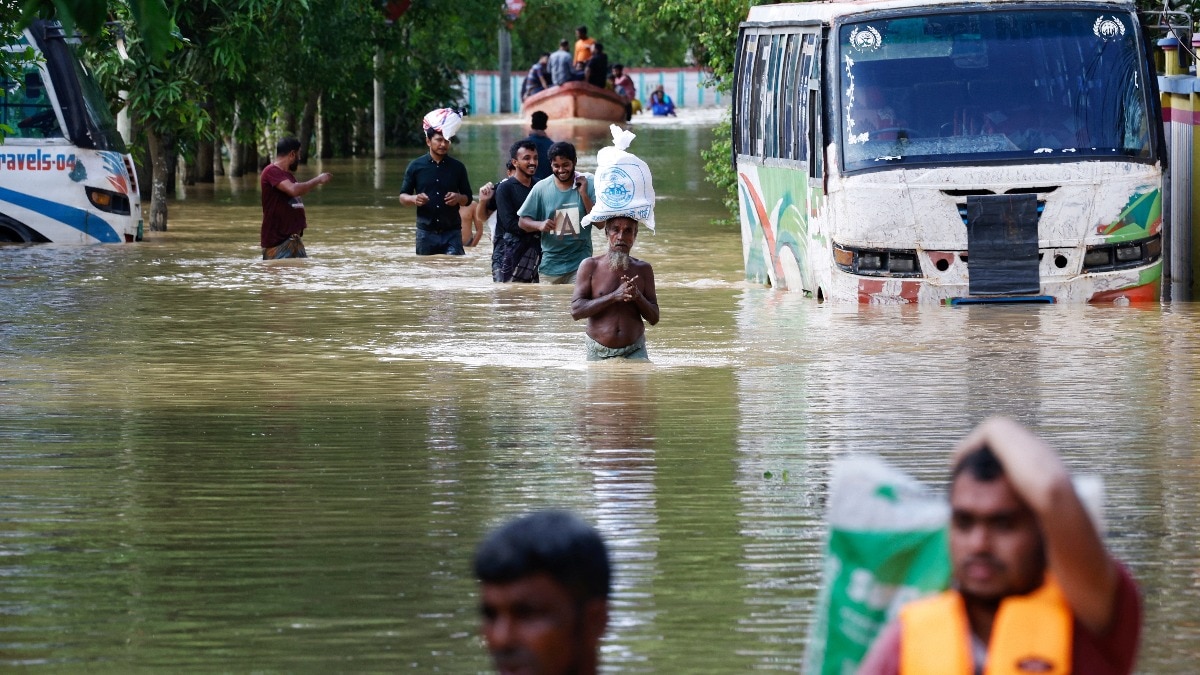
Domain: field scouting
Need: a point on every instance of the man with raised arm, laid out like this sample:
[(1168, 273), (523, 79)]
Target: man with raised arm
[(283, 220), (1034, 589)]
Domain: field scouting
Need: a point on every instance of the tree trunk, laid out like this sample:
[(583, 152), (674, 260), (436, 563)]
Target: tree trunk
[(162, 152), (249, 158), (218, 165), (171, 159), (236, 162), (325, 137), (203, 166), (307, 122)]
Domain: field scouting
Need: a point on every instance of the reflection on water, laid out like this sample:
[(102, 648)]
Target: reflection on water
[(210, 461)]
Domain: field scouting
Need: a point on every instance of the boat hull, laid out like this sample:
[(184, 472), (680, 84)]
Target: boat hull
[(578, 100)]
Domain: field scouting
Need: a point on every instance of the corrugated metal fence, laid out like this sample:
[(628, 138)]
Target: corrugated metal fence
[(687, 87)]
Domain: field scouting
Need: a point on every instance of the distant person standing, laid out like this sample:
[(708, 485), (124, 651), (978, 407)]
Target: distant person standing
[(583, 47), (561, 67), (555, 208), (283, 220), (596, 70), (625, 88), (515, 252), (537, 134), (437, 185)]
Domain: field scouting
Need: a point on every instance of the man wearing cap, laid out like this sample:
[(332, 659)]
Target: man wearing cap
[(437, 185), (555, 208), (615, 292), (537, 134)]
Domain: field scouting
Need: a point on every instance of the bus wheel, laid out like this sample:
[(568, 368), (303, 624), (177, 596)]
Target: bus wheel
[(16, 232)]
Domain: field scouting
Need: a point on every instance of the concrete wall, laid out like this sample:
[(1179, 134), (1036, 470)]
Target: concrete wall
[(688, 87)]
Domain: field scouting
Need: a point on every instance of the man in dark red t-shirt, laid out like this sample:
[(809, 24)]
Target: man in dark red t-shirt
[(283, 211)]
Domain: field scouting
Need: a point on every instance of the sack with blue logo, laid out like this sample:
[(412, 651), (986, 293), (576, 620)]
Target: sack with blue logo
[(624, 186)]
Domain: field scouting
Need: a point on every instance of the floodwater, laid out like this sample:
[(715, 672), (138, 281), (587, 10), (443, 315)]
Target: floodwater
[(211, 463)]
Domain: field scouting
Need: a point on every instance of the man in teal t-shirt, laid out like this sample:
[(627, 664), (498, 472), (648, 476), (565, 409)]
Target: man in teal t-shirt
[(556, 207)]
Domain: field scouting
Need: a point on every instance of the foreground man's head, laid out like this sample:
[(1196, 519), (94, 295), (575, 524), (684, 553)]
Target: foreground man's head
[(544, 585)]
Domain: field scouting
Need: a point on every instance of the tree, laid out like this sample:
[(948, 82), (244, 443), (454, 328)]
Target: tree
[(713, 25), (161, 95)]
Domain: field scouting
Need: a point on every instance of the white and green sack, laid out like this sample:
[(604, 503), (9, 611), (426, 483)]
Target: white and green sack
[(887, 545)]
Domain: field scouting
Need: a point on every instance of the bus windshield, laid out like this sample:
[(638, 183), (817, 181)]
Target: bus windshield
[(996, 85)]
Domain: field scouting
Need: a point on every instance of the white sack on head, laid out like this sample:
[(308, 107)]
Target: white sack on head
[(445, 120), (624, 186)]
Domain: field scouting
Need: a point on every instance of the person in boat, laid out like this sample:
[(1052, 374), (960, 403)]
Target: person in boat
[(583, 47), (555, 208), (515, 252), (437, 185), (537, 134), (538, 78), (596, 70), (544, 583), (661, 103), (562, 68), (283, 220), (625, 88), (1034, 589)]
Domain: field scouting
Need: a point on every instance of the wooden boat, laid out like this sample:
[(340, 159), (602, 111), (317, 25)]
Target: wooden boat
[(576, 100)]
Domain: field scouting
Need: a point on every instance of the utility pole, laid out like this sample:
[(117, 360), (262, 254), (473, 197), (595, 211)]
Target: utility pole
[(505, 71)]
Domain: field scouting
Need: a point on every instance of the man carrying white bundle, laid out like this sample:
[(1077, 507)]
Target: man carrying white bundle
[(615, 291)]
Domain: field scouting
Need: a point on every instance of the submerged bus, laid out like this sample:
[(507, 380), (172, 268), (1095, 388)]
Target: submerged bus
[(939, 151), (65, 175)]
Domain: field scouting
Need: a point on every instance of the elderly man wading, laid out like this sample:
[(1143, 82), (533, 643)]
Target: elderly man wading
[(615, 291)]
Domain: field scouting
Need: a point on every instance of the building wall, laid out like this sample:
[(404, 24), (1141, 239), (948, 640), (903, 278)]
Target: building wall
[(688, 87)]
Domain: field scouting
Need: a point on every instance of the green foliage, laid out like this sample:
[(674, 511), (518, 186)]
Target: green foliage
[(718, 163), (713, 25), (89, 16), (543, 23)]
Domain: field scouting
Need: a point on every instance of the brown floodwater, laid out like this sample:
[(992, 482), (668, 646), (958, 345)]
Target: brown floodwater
[(211, 463)]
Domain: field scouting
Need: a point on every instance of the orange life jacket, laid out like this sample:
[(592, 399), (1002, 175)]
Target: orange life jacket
[(1031, 634)]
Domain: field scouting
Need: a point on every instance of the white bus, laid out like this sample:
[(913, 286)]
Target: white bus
[(939, 151), (65, 175)]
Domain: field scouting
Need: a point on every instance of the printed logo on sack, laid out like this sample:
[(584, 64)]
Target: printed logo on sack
[(618, 188)]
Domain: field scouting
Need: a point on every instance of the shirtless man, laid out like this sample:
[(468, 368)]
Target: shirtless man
[(615, 292)]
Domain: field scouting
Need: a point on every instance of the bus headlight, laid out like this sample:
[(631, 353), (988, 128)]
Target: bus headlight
[(1105, 257), (108, 201), (876, 262)]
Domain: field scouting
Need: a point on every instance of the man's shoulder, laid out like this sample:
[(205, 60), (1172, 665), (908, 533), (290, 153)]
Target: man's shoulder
[(639, 264)]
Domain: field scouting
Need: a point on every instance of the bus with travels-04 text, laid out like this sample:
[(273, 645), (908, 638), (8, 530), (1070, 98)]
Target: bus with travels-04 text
[(938, 151), (65, 174)]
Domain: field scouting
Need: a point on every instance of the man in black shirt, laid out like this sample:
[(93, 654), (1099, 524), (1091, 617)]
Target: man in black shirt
[(515, 252), (437, 185), (596, 71)]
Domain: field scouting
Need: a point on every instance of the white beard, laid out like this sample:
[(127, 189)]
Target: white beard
[(618, 260)]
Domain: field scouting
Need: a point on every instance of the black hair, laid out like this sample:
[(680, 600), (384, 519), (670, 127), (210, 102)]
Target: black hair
[(431, 132), (523, 144), (618, 66), (508, 166), (563, 43), (557, 543), (598, 47), (980, 464), (538, 120), (562, 149), (582, 30), (287, 144)]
